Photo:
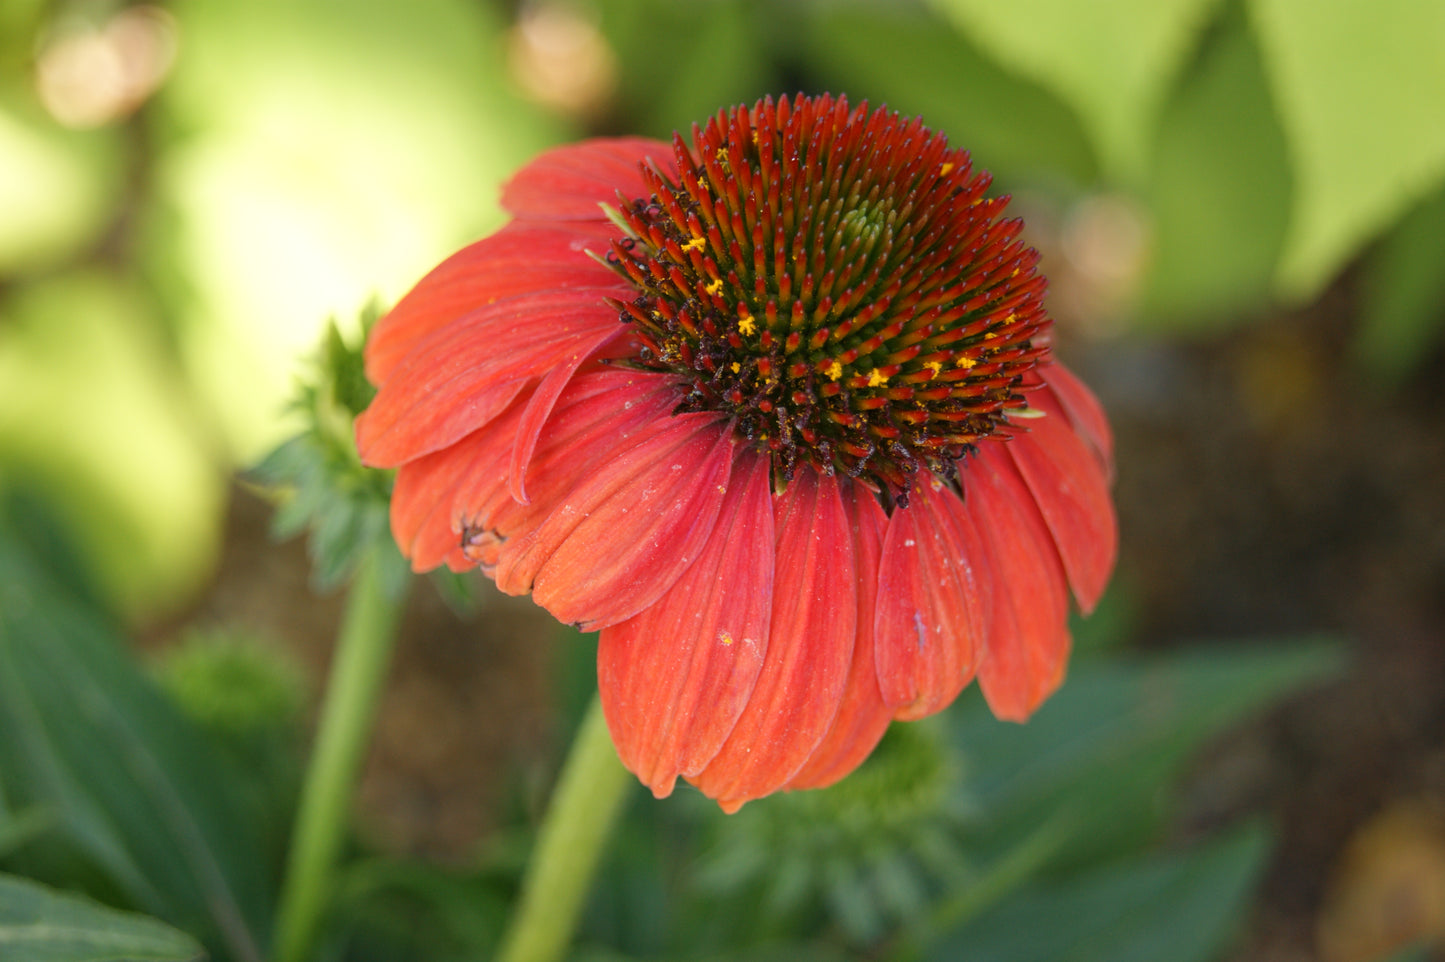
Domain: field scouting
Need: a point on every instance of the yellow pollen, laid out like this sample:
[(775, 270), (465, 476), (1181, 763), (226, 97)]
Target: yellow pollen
[(965, 363), (933, 368), (945, 168), (877, 378), (835, 371), (736, 367), (696, 244), (715, 286), (746, 324)]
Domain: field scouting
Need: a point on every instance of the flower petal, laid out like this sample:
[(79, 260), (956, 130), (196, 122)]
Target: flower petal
[(598, 410), (624, 537), (1028, 636), (810, 646), (1083, 410), (1072, 493), (423, 519), (935, 594), (567, 183), (518, 259), (862, 716), (464, 375), (675, 677)]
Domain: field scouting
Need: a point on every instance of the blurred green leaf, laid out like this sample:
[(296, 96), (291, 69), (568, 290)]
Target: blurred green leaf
[(1403, 314), (1105, 749), (1183, 908), (1113, 60), (17, 828), (93, 414), (921, 66), (41, 925), (392, 909), (58, 188), (1359, 88), (132, 786), (1219, 189)]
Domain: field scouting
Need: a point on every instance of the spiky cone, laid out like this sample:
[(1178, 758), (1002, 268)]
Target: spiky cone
[(823, 474)]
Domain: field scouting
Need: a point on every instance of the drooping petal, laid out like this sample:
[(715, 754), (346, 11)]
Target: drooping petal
[(1083, 410), (810, 646), (862, 716), (624, 536), (423, 518), (518, 259), (675, 677), (935, 597), (567, 183), (597, 409), (1072, 493), (462, 376), (1028, 635)]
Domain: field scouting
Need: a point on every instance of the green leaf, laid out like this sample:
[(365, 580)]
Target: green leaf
[(1218, 191), (1183, 908), (1359, 88), (1102, 752), (41, 925), (133, 788), (1112, 60), (920, 66), (1403, 314)]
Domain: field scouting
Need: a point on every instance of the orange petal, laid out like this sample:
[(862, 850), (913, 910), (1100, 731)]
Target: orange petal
[(567, 183), (810, 646), (862, 715), (1083, 410), (1072, 493), (1028, 636), (934, 600), (675, 677), (462, 376), (422, 520), (622, 538), (518, 259)]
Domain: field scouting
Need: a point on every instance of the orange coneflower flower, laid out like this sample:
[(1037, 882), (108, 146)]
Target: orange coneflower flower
[(822, 474)]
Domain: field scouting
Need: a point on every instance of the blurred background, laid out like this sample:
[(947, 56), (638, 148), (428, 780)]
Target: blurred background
[(1240, 206)]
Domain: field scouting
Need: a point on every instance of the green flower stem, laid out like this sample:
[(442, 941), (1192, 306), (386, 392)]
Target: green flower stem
[(359, 665), (584, 807)]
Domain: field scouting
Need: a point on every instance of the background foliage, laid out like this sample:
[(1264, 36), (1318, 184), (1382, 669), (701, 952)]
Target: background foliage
[(189, 191)]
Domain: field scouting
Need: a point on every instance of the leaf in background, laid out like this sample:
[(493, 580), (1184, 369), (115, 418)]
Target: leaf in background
[(1219, 189), (1359, 88), (920, 66), (1183, 908), (1403, 314), (94, 414), (58, 188), (1113, 60), (1104, 750), (131, 785), (40, 925)]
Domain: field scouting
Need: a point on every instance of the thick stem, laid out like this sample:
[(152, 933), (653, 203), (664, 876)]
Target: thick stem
[(359, 665), (579, 821)]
